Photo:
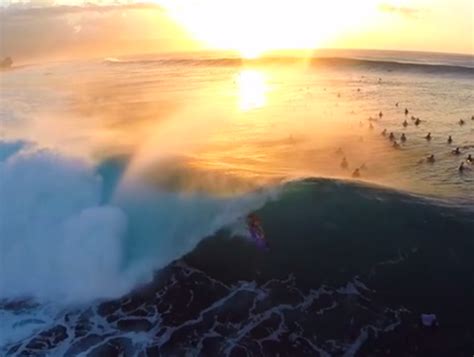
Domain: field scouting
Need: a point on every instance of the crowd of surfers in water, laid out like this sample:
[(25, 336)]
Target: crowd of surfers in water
[(466, 164)]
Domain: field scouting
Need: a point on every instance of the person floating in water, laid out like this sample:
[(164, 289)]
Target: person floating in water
[(417, 121), (430, 159), (356, 173), (456, 151), (450, 139), (396, 145), (380, 115), (405, 123), (461, 167), (391, 136), (344, 163), (403, 138), (406, 111), (384, 132), (428, 137), (469, 159), (461, 122)]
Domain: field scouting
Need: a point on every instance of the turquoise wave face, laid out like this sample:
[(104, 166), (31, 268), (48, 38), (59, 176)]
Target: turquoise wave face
[(328, 228)]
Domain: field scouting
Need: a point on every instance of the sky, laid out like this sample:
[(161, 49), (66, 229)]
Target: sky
[(65, 29)]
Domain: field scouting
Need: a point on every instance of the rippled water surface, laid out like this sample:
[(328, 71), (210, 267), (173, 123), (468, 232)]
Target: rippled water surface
[(255, 122)]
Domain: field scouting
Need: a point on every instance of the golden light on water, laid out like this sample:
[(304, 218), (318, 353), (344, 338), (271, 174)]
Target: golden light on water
[(252, 89)]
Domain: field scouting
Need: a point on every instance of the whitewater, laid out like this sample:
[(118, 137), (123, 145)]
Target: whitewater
[(64, 240)]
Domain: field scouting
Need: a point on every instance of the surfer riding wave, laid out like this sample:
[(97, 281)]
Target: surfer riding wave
[(256, 231)]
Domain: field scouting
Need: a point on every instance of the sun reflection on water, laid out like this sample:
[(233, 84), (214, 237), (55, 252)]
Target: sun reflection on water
[(252, 89)]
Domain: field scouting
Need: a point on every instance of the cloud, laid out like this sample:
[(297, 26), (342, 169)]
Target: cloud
[(60, 10), (404, 11), (30, 32)]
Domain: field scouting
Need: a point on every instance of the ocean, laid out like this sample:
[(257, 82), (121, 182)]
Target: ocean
[(125, 183)]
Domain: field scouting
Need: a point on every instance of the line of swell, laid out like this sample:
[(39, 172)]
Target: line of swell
[(387, 64)]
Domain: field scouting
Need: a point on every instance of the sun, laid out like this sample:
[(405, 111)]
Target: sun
[(250, 52), (253, 27)]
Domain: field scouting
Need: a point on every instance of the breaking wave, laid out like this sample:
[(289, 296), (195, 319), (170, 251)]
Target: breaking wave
[(74, 232), (71, 233)]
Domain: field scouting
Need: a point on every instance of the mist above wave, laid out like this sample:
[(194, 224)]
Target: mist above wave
[(65, 238)]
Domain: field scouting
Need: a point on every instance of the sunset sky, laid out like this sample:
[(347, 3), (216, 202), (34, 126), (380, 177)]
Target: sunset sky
[(70, 28)]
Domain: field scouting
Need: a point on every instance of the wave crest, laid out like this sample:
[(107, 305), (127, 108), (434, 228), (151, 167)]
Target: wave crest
[(436, 66)]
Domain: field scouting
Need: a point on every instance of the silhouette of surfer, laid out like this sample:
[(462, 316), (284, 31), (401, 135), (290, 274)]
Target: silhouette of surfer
[(256, 231)]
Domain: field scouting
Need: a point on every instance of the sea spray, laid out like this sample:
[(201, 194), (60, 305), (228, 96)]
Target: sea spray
[(57, 241), (62, 242)]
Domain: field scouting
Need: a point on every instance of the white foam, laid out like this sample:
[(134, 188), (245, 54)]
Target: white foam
[(56, 241), (17, 325), (59, 243)]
